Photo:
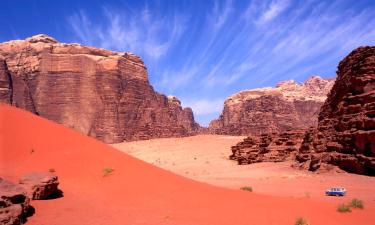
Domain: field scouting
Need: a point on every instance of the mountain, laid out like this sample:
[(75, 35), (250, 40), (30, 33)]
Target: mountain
[(100, 93), (288, 106), (345, 136)]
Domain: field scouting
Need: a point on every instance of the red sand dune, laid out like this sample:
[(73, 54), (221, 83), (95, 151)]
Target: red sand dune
[(136, 192)]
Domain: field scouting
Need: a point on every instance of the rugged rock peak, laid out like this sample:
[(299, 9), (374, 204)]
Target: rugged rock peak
[(41, 38), (286, 85), (174, 100), (263, 110), (345, 136), (100, 93)]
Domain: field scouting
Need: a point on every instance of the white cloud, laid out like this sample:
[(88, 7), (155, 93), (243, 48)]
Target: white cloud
[(273, 10)]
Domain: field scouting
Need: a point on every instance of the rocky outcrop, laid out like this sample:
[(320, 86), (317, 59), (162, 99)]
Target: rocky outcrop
[(5, 83), (288, 106), (267, 148), (345, 136), (39, 185), (14, 204), (97, 92)]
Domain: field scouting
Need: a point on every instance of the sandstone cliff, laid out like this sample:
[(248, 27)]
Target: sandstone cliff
[(97, 92), (345, 136), (288, 106)]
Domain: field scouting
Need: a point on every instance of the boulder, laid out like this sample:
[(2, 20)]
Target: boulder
[(14, 203), (39, 185)]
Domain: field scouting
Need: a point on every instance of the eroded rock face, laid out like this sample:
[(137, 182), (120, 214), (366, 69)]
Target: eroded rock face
[(39, 185), (97, 92), (267, 148), (289, 106), (14, 204), (345, 136), (5, 83)]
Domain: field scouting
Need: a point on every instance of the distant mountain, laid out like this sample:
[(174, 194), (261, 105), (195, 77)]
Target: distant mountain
[(288, 106)]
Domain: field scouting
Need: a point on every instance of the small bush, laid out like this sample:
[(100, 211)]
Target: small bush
[(301, 221), (247, 188), (356, 203), (32, 151), (51, 170), (107, 171), (343, 208)]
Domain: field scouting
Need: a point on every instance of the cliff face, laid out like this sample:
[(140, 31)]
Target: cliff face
[(345, 136), (5, 83), (288, 106), (97, 92)]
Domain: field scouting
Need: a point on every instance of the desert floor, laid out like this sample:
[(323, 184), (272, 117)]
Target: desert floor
[(205, 158), (138, 193)]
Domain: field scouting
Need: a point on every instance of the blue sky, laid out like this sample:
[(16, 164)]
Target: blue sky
[(204, 51)]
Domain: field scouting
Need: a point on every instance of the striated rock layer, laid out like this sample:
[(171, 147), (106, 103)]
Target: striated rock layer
[(267, 148), (97, 92), (345, 136), (289, 106)]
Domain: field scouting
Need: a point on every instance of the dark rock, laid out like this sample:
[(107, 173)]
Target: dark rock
[(40, 185), (14, 203), (345, 136), (267, 148)]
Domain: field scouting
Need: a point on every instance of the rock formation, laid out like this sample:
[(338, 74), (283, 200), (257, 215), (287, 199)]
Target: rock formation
[(97, 92), (5, 83), (267, 147), (288, 106), (39, 185), (345, 136), (14, 204)]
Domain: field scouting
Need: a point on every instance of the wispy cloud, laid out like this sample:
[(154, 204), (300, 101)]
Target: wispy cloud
[(221, 13), (273, 9), (143, 32)]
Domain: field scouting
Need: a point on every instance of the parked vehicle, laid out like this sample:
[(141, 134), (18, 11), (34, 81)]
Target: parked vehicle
[(336, 191)]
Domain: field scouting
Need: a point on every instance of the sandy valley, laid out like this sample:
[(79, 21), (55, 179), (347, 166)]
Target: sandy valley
[(205, 158)]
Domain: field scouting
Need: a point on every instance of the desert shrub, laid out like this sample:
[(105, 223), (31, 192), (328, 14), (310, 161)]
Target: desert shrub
[(356, 203), (247, 188), (343, 208), (107, 171), (301, 221)]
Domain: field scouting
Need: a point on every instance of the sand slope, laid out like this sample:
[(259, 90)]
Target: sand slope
[(136, 192)]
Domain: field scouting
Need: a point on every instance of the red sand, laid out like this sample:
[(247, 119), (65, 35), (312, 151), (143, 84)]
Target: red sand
[(136, 192)]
